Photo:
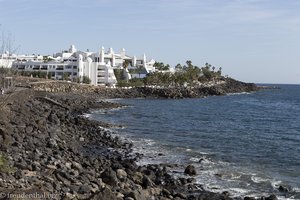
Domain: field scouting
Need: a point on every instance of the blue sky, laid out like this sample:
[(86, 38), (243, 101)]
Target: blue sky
[(252, 40)]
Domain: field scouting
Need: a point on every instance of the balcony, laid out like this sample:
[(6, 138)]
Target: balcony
[(36, 67), (44, 68), (101, 74), (101, 79), (101, 68)]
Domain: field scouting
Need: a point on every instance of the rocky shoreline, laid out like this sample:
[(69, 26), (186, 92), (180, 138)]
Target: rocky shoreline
[(48, 148), (213, 88)]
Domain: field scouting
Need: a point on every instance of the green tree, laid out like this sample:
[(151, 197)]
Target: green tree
[(126, 64), (178, 67), (161, 66), (189, 64), (86, 80), (219, 72), (118, 74), (139, 70), (207, 66), (207, 73), (66, 76), (166, 67), (43, 75), (158, 65), (190, 75)]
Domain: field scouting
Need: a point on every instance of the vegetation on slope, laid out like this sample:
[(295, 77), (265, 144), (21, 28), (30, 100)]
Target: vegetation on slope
[(186, 75)]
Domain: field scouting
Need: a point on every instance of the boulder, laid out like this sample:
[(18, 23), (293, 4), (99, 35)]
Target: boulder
[(146, 182), (68, 165), (29, 129), (106, 194), (137, 177), (77, 166), (283, 189), (19, 174), (84, 189), (121, 174), (249, 198), (137, 195), (180, 195), (109, 177), (271, 197), (52, 143), (190, 170)]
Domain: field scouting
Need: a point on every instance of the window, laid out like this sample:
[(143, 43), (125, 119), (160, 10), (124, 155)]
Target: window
[(60, 67)]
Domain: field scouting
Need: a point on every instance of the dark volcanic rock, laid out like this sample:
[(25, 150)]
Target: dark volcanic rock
[(249, 198), (48, 144), (220, 87), (283, 189), (109, 177), (147, 182), (106, 193), (271, 197), (190, 170), (137, 195), (83, 189)]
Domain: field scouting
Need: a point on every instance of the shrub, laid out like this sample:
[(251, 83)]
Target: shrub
[(86, 80), (4, 166)]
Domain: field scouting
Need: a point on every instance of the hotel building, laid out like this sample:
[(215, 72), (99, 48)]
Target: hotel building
[(72, 64)]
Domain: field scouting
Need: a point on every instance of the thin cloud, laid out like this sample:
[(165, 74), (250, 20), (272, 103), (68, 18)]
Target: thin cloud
[(234, 12)]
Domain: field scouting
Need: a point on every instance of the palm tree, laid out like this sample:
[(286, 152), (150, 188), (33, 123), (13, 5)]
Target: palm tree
[(139, 69), (207, 66), (124, 71), (220, 71), (189, 63), (125, 64), (178, 67)]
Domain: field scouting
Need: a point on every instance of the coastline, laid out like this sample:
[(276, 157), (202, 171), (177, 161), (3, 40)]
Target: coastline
[(160, 131), (80, 160), (204, 90)]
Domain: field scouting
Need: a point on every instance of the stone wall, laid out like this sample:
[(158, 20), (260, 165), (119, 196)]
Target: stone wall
[(65, 87)]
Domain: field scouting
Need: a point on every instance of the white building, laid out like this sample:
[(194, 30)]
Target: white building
[(73, 64), (7, 59)]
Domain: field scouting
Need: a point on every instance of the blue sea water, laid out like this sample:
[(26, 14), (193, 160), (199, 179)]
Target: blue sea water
[(247, 144)]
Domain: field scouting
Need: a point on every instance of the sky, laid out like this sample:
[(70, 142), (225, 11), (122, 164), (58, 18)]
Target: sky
[(252, 40)]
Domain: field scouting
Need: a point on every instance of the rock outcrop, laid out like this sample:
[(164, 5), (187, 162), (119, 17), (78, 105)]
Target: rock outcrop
[(208, 89)]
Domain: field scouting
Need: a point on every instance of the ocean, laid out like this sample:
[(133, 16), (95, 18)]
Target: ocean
[(247, 144)]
